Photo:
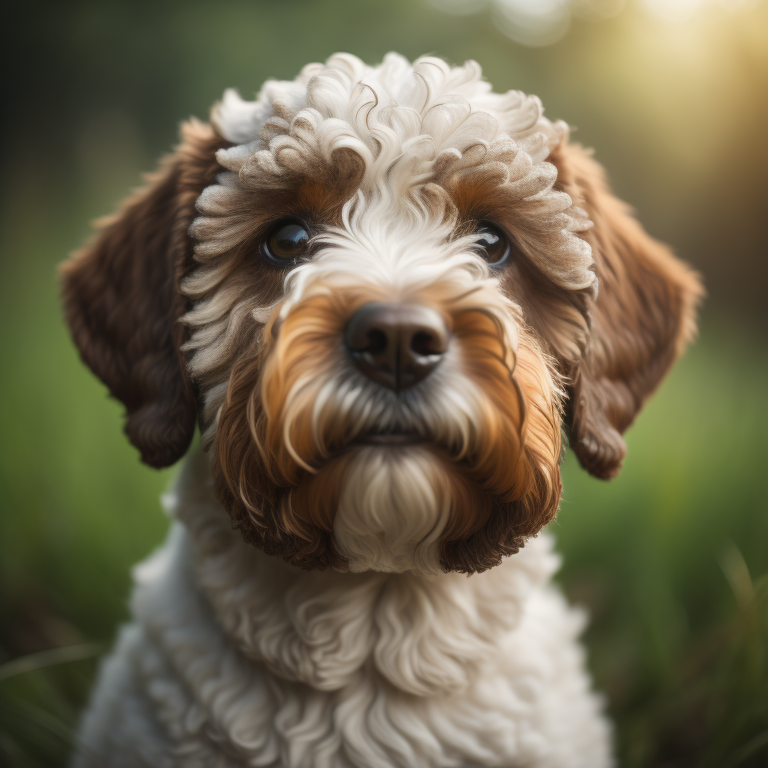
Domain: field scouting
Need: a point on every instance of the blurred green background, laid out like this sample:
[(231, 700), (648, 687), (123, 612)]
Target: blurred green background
[(671, 559)]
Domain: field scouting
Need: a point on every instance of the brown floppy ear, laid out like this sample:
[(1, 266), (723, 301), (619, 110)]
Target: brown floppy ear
[(122, 302), (642, 318)]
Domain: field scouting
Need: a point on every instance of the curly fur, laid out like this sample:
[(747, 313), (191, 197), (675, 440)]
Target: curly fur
[(308, 670)]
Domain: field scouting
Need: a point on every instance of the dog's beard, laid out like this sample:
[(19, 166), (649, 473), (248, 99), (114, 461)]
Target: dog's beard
[(299, 476), (393, 508)]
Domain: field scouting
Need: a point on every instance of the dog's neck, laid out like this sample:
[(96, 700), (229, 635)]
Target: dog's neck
[(423, 634)]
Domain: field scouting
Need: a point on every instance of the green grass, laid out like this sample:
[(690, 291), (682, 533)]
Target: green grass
[(671, 560)]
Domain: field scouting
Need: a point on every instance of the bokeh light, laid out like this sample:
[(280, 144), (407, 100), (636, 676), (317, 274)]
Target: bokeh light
[(545, 22)]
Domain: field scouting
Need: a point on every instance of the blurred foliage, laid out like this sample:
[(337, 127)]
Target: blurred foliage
[(665, 560), (670, 559)]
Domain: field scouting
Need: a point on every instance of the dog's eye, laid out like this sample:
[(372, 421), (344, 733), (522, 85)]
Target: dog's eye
[(493, 242), (286, 243)]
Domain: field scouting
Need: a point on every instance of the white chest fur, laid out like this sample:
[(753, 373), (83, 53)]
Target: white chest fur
[(235, 659)]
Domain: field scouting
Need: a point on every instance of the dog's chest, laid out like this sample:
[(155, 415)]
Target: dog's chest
[(272, 665)]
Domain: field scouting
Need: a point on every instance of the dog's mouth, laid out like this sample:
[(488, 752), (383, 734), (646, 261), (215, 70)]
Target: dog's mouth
[(395, 436)]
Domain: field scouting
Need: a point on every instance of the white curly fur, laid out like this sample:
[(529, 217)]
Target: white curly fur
[(235, 658)]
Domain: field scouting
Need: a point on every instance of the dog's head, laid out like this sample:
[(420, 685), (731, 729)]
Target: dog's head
[(377, 292)]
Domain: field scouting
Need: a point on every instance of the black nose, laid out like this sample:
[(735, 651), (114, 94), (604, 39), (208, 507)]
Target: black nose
[(396, 345)]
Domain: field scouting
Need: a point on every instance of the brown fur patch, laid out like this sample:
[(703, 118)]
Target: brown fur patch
[(270, 188), (643, 317), (324, 191), (531, 477), (256, 498), (559, 315), (122, 302)]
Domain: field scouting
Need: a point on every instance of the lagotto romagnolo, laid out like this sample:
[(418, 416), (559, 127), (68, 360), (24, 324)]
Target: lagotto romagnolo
[(381, 293)]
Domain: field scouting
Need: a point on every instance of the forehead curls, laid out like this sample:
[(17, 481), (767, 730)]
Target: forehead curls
[(345, 127)]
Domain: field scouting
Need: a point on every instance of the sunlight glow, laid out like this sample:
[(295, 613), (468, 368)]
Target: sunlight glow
[(682, 10), (543, 22), (674, 10)]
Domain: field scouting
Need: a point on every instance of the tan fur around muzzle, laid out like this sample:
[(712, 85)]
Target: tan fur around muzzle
[(283, 464)]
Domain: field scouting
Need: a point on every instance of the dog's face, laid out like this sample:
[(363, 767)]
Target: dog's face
[(374, 290)]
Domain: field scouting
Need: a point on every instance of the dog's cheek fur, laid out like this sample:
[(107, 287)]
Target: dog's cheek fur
[(642, 319), (121, 298), (501, 524), (259, 503), (264, 448)]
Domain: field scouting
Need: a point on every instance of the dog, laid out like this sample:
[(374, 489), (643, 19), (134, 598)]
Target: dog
[(382, 293)]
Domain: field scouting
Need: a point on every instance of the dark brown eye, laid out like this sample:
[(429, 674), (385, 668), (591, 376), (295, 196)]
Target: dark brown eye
[(287, 242), (494, 243)]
